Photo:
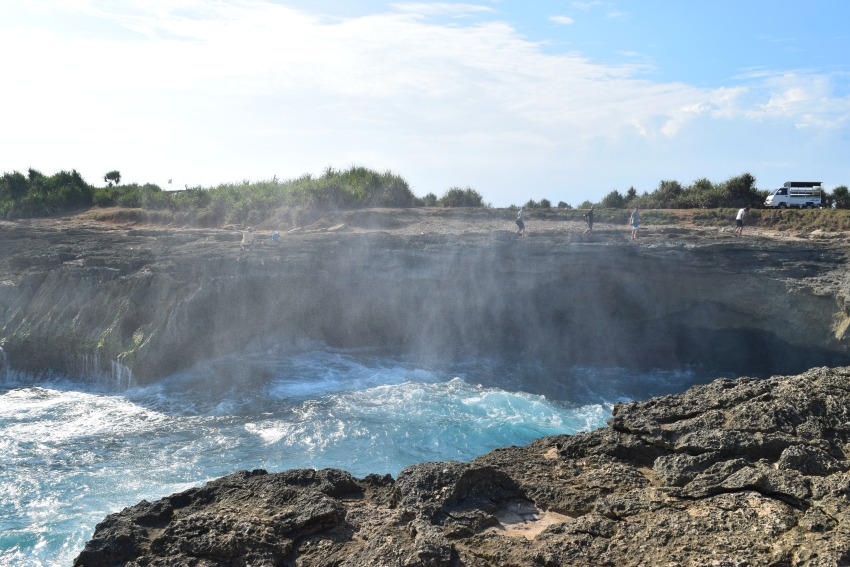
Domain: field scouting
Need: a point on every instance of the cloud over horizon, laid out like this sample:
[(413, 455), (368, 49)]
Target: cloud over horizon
[(444, 94)]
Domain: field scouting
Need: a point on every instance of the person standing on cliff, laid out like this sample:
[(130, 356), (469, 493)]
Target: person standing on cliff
[(634, 219), (247, 238), (520, 223), (588, 216), (739, 221)]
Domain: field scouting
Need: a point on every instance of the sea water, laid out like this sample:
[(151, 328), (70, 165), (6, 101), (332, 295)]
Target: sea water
[(75, 451)]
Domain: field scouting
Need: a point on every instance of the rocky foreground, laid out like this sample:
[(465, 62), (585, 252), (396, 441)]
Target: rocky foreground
[(735, 472)]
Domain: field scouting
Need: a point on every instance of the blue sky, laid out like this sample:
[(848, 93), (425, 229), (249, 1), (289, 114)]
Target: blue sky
[(518, 100)]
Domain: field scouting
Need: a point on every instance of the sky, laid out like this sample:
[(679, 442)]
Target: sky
[(516, 99)]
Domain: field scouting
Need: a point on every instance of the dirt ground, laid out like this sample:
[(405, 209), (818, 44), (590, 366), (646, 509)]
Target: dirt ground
[(440, 221)]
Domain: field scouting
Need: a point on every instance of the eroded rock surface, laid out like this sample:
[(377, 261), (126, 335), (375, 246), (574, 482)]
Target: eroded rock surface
[(735, 472), (141, 303)]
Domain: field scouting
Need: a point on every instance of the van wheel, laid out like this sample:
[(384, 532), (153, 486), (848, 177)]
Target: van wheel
[(782, 205), (810, 206)]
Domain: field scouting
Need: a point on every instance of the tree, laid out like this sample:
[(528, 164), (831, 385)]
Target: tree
[(631, 194), (613, 200), (13, 185), (564, 205), (113, 176), (668, 194), (545, 204), (457, 197), (37, 182), (741, 191), (841, 197), (429, 200)]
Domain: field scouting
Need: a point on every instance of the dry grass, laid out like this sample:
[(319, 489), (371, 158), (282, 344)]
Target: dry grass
[(826, 220)]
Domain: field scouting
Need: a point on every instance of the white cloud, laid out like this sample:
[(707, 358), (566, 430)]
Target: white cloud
[(439, 8), (208, 92), (561, 20), (585, 6), (807, 99)]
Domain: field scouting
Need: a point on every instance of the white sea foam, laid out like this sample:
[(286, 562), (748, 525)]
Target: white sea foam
[(74, 454)]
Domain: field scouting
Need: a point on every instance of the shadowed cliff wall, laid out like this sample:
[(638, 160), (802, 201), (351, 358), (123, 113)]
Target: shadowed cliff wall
[(157, 301)]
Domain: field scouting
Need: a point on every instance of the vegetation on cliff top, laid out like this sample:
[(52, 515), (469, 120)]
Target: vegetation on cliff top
[(36, 194)]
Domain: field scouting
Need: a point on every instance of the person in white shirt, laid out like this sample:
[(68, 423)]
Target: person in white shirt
[(248, 238), (634, 220), (739, 221)]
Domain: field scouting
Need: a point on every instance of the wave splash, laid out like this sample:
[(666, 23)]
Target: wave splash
[(75, 454)]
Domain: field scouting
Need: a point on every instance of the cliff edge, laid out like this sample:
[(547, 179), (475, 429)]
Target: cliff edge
[(132, 303), (735, 472)]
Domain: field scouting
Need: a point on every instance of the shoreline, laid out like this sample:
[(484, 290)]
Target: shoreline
[(745, 471)]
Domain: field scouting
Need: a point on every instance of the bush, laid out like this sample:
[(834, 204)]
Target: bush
[(13, 186), (37, 194), (736, 191), (429, 200), (841, 197), (613, 200), (457, 197)]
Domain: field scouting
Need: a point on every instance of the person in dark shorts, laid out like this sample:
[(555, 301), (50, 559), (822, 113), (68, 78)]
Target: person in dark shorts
[(739, 221), (588, 216)]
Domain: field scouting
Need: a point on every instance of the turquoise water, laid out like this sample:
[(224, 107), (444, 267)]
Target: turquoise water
[(73, 453)]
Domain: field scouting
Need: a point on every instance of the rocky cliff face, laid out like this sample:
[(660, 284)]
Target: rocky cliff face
[(141, 303), (736, 472), (745, 472)]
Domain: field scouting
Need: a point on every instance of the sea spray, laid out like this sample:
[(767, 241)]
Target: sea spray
[(77, 452)]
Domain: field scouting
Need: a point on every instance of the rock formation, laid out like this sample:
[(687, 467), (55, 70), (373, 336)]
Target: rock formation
[(735, 472), (138, 304)]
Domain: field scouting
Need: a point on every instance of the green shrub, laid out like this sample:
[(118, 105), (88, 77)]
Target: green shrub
[(104, 197), (36, 194), (457, 197), (613, 200), (429, 200), (658, 216)]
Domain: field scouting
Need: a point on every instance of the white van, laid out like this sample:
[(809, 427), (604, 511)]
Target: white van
[(799, 194)]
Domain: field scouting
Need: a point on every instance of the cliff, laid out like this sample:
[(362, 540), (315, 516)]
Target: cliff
[(134, 303), (735, 472), (751, 471)]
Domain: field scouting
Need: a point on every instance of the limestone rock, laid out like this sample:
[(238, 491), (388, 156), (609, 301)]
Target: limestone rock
[(136, 304), (735, 472)]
